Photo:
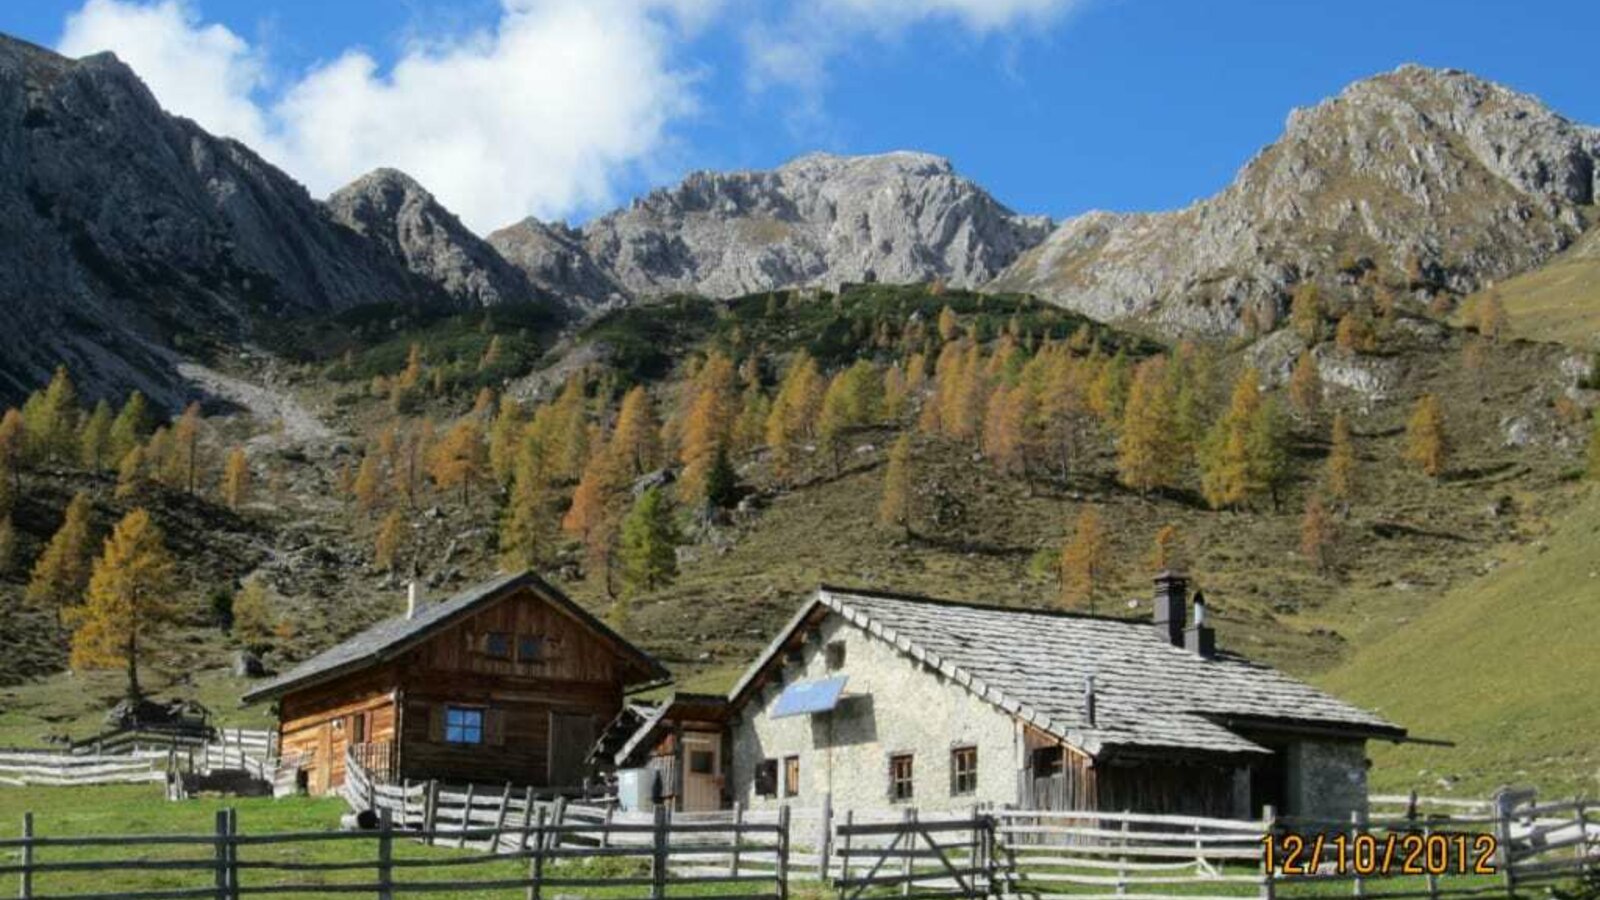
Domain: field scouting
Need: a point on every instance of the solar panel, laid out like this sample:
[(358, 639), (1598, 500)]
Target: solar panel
[(805, 697)]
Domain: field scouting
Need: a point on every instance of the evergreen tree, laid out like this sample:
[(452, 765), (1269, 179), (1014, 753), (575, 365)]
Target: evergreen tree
[(62, 570), (722, 482), (94, 438), (1427, 443), (1085, 561), (648, 554), (129, 599), (895, 509), (1305, 387), (1341, 461), (1147, 450), (129, 428), (236, 479), (390, 540)]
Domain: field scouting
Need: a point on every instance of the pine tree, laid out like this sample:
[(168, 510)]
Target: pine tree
[(236, 479), (368, 485), (1085, 561), (1341, 461), (636, 443), (895, 509), (648, 555), (1427, 442), (94, 438), (1148, 456), (129, 428), (1166, 551), (1305, 387), (62, 570), (129, 599), (253, 622), (460, 458), (130, 473), (390, 541), (722, 482), (1305, 312), (1317, 534)]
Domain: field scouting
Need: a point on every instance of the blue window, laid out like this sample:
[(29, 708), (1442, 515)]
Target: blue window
[(463, 726)]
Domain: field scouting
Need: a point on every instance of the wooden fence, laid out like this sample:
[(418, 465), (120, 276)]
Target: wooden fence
[(67, 770), (913, 856), (228, 864)]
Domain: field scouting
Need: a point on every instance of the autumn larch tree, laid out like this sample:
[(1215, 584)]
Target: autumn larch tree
[(1317, 534), (527, 530), (1305, 312), (1147, 452), (13, 439), (1108, 393), (129, 599), (504, 436), (94, 438), (1491, 317), (1225, 456), (413, 450), (368, 486), (1305, 387), (709, 425), (180, 465), (567, 430), (253, 622), (130, 473), (62, 570), (1085, 561), (128, 429), (1427, 443), (8, 544), (51, 417), (390, 540), (595, 510), (1341, 461), (1166, 551), (636, 442), (895, 509), (1268, 451), (949, 325), (648, 555), (794, 413), (236, 479), (894, 393), (459, 458)]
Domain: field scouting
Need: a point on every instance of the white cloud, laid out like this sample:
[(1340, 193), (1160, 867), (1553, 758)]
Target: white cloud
[(538, 115)]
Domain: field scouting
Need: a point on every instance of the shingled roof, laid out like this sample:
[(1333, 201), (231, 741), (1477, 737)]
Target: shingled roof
[(1149, 694), (392, 637)]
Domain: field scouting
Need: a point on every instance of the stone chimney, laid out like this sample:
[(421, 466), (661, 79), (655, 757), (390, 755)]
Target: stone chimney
[(1172, 590), (1200, 638), (413, 598)]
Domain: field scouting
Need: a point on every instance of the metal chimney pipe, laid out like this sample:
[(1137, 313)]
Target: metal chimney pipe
[(413, 598)]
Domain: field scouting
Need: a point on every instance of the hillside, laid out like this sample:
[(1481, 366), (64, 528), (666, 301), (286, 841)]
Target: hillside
[(1559, 301)]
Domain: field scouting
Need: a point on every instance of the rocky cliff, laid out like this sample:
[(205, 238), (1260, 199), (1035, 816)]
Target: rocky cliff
[(1433, 172), (821, 219)]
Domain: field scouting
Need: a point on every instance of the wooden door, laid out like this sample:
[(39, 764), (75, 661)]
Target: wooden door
[(571, 738), (702, 772)]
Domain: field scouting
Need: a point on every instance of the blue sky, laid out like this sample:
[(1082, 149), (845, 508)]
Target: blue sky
[(1057, 106)]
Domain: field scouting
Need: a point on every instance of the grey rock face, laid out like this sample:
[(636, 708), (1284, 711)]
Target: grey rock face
[(1472, 180), (124, 229), (554, 258), (819, 220), (395, 211)]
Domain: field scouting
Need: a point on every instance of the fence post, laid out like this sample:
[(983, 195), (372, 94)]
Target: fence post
[(221, 851), (466, 817), (783, 852), (1582, 818), (233, 854), (558, 816), (824, 836), (1269, 824), (738, 837), (605, 828), (500, 819), (1122, 861), (528, 810), (909, 818), (658, 854), (1357, 825), (844, 847), (536, 865), (25, 890), (1503, 804), (430, 809), (385, 855), (1433, 876)]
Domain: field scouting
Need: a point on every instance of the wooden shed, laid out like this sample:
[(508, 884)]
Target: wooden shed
[(509, 680)]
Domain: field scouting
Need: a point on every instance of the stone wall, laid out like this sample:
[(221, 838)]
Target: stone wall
[(1327, 779), (892, 705)]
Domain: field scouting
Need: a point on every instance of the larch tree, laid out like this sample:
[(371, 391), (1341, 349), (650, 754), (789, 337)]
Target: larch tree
[(1427, 442), (253, 621), (527, 532), (504, 436), (595, 511), (750, 430), (1341, 474), (895, 393), (62, 570), (1225, 455), (1148, 454), (369, 483), (1317, 534), (129, 428), (636, 441), (390, 540), (13, 440), (128, 602), (895, 509), (180, 464), (131, 473), (52, 419), (94, 438), (1167, 550), (568, 430), (794, 413), (1085, 561), (834, 420), (1108, 393), (949, 325), (1268, 451), (648, 554), (1305, 387), (1305, 312), (236, 479), (1491, 317), (460, 458), (8, 544), (708, 427)]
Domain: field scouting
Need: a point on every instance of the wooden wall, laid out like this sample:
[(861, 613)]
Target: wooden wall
[(320, 721)]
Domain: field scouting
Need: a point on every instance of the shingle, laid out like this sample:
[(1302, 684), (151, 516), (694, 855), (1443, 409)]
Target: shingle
[(1148, 693)]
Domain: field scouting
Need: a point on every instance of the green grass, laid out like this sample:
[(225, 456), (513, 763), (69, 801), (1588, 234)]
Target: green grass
[(1505, 665), (1559, 301)]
